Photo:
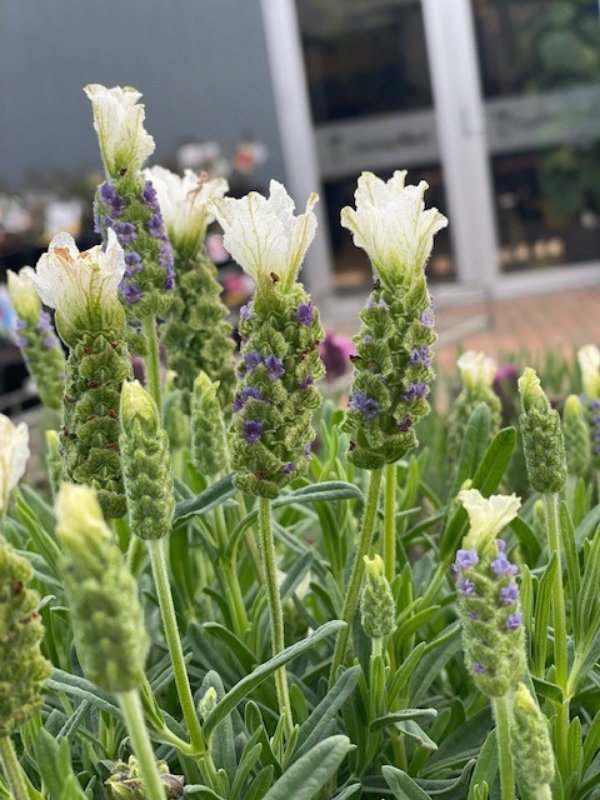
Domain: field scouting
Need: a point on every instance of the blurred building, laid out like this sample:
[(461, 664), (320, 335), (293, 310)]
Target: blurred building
[(494, 102)]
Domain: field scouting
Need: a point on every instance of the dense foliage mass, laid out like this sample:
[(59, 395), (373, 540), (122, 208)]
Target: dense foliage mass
[(229, 589)]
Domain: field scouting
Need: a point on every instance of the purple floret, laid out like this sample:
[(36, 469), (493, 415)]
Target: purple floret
[(21, 325), (427, 318), (21, 341), (45, 323), (249, 392), (288, 468), (49, 342), (125, 231), (465, 559), (502, 566), (478, 668), (155, 226), (509, 594), (364, 404), (466, 587), (131, 293), (251, 361), (245, 312), (420, 355), (274, 367), (252, 431), (304, 314), (415, 390), (113, 199), (149, 196), (514, 621), (308, 381)]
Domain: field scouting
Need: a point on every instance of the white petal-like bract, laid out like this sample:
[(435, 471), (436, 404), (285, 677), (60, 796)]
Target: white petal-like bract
[(487, 516), (264, 236), (119, 123), (588, 357), (390, 223), (476, 369), (14, 454)]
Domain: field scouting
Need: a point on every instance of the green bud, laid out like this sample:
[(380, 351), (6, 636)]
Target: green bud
[(377, 607), (543, 441), (146, 464), (197, 334), (207, 702), (578, 448), (531, 747), (126, 781), (23, 669), (209, 443), (53, 460), (107, 618), (175, 419), (24, 296)]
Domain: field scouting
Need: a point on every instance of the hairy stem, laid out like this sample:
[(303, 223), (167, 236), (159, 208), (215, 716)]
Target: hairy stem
[(235, 597), (507, 775), (13, 770), (357, 573), (142, 747), (267, 549), (561, 665), (152, 360), (167, 611), (389, 522)]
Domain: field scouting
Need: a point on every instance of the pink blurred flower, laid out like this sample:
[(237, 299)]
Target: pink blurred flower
[(336, 352), (506, 372)]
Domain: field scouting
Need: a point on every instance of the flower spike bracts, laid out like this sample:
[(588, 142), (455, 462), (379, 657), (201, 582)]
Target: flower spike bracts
[(197, 334), (107, 617), (127, 204), (280, 329), (531, 746), (393, 366), (477, 372), (14, 454), (34, 335), (543, 441), (83, 288), (491, 617)]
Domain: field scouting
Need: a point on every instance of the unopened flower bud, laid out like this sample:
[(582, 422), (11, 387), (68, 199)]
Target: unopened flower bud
[(577, 437), (377, 607), (23, 669), (207, 702), (543, 441), (146, 464), (106, 615), (209, 442), (126, 781), (531, 747)]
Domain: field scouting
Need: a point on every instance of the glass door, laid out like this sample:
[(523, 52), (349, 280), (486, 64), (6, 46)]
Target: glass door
[(371, 104), (539, 64)]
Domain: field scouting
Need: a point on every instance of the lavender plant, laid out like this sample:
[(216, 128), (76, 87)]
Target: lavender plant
[(401, 651)]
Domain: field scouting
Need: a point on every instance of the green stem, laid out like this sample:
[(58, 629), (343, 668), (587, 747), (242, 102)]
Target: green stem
[(13, 770), (142, 747), (357, 573), (152, 360), (507, 776), (267, 549), (561, 665), (135, 554), (235, 598), (167, 611), (389, 522)]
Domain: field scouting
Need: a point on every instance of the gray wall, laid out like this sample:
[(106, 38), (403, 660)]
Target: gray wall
[(201, 65)]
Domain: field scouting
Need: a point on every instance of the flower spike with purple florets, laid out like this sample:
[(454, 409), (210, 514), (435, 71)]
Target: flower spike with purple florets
[(393, 368)]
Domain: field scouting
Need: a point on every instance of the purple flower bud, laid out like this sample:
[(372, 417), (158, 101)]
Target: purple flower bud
[(45, 323), (405, 424), (21, 325), (252, 431), (125, 231), (466, 587), (131, 293), (514, 621), (366, 405), (113, 199), (304, 314), (308, 381), (420, 355), (478, 668), (465, 559), (472, 615), (415, 390), (308, 450), (288, 468), (274, 367), (501, 545), (155, 226), (49, 342), (245, 312), (502, 566), (427, 318), (169, 282), (240, 401), (509, 594), (149, 197), (252, 360), (133, 262), (372, 303), (367, 339), (21, 341)]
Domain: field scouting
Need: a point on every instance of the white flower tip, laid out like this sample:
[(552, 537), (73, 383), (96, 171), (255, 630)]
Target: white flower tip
[(476, 369), (14, 454), (487, 516)]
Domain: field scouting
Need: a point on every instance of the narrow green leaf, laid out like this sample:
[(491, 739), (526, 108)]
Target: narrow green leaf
[(412, 729), (350, 791), (486, 767), (476, 436), (312, 730), (212, 497), (401, 786), (542, 615), (251, 681), (529, 544), (310, 773), (567, 532), (401, 716), (404, 672)]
